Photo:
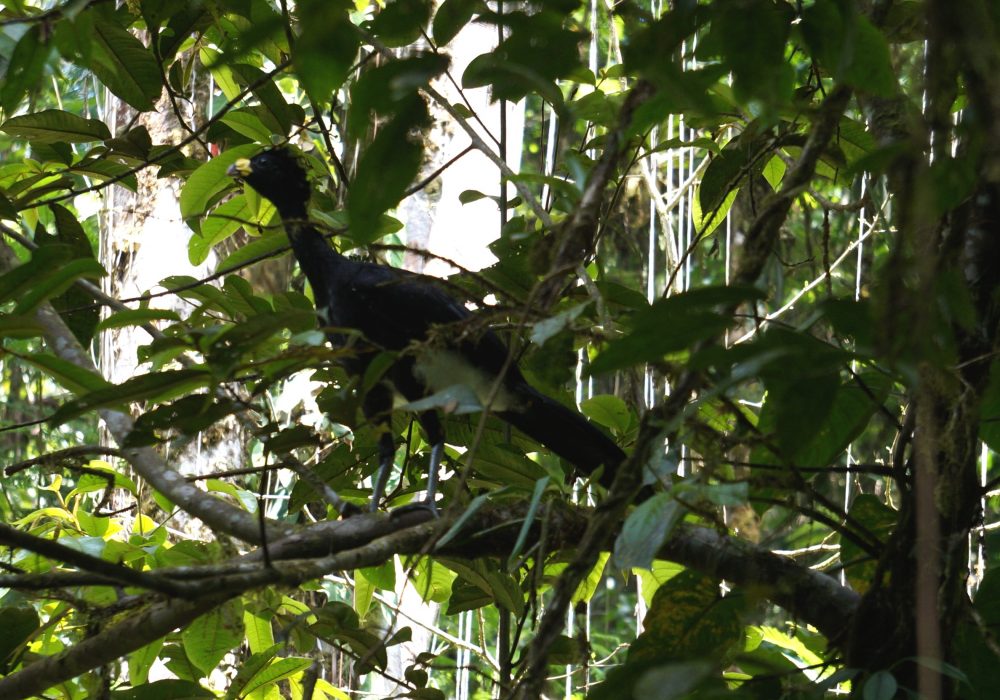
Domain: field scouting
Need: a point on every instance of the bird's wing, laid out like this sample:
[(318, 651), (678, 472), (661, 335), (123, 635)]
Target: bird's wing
[(393, 308)]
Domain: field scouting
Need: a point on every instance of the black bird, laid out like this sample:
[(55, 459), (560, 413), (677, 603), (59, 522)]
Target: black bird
[(395, 310)]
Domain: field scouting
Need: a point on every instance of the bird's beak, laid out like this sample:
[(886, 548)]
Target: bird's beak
[(241, 168)]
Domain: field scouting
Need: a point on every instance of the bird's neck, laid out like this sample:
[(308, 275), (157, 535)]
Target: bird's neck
[(312, 250)]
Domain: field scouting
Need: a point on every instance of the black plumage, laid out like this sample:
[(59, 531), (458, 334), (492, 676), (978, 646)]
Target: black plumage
[(396, 310)]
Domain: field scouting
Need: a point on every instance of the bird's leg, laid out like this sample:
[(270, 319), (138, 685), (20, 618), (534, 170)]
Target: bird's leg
[(386, 455), (432, 475), (435, 434), (376, 406)]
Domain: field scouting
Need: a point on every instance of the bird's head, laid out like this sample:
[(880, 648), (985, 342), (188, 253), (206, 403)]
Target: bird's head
[(277, 175)]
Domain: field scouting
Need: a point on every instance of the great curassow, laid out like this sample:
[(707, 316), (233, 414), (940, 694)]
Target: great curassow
[(396, 311)]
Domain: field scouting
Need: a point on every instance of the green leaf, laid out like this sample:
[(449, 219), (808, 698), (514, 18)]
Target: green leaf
[(881, 685), (220, 224), (262, 247), (671, 325), (849, 47), (326, 48), (58, 281), (19, 623), (432, 580), (25, 68), (136, 317), (543, 330), (53, 125), (388, 166), (457, 399), (102, 170), (690, 620), (757, 57), (19, 327), (538, 51), (211, 636), (247, 123), (401, 22), (878, 519), (609, 411), (159, 386), (850, 413), (275, 113), (391, 87), (277, 670), (451, 16), (588, 586), (141, 660), (125, 66), (68, 375), (77, 307), (646, 530), (210, 179)]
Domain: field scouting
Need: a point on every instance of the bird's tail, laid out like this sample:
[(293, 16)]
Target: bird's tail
[(567, 433)]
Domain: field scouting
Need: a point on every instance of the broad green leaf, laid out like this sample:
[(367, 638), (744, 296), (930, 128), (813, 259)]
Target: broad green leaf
[(391, 87), (58, 281), (401, 22), (504, 465), (102, 170), (53, 125), (136, 317), (264, 247), (387, 167), (849, 47), (646, 530), (19, 327), (158, 386), (543, 330), (756, 57), (221, 223), (141, 660), (671, 325), (168, 689), (25, 67), (655, 576), (853, 406), (451, 16), (277, 670), (588, 586), (881, 685), (260, 636), (274, 113), (879, 520), (210, 179), (609, 411), (326, 48), (211, 636), (538, 50), (247, 123), (364, 592), (690, 620), (125, 66), (68, 375), (432, 580), (19, 623)]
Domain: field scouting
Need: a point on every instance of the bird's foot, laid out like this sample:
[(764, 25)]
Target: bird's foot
[(349, 510), (428, 506)]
